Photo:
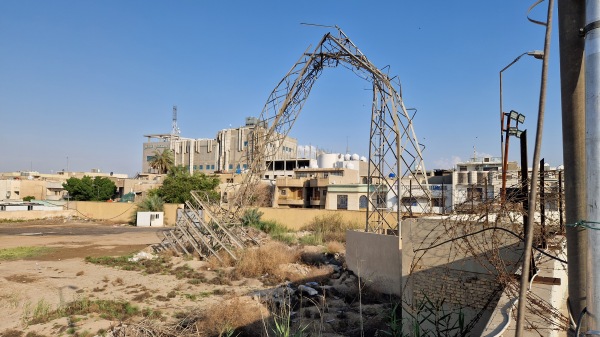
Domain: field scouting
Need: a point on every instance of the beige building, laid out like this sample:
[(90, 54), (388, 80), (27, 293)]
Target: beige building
[(228, 152), (333, 181)]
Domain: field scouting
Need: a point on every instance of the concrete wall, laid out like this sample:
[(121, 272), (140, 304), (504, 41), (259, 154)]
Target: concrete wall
[(455, 273), (109, 211), (376, 259), (296, 218), (33, 215)]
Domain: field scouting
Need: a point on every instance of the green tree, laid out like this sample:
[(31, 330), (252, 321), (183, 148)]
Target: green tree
[(88, 189), (162, 161), (179, 183)]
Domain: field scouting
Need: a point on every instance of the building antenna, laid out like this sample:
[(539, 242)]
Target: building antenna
[(347, 147), (174, 129)]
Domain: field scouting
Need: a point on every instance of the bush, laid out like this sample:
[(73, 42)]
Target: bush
[(28, 198), (277, 231), (330, 227), (251, 217)]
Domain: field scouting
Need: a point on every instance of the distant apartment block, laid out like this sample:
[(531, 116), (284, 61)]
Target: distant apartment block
[(227, 152)]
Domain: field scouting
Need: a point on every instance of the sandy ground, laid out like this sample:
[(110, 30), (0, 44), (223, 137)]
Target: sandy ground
[(62, 275)]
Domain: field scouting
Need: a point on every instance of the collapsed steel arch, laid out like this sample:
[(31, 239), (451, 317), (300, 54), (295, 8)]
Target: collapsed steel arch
[(396, 167)]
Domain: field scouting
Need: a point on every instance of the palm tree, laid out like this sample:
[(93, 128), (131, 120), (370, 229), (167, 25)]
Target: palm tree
[(162, 161)]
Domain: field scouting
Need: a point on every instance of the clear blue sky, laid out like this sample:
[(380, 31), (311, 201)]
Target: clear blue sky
[(87, 79)]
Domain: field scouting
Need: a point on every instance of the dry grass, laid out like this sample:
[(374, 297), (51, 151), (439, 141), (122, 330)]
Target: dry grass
[(230, 316), (329, 227), (265, 259), (333, 247), (256, 262)]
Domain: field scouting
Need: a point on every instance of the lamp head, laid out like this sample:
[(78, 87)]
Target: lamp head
[(513, 131), (513, 115), (538, 54), (521, 118)]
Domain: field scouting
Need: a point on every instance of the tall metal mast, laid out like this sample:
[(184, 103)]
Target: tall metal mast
[(174, 129)]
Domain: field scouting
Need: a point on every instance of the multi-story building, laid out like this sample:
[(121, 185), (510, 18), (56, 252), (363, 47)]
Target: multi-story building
[(228, 152)]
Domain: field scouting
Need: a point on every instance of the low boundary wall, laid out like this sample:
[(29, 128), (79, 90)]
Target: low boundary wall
[(105, 211), (296, 218), (376, 259)]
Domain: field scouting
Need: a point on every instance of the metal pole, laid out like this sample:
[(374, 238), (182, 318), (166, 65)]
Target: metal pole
[(571, 17), (505, 163), (560, 204), (524, 179), (592, 142), (501, 122), (533, 191), (543, 203)]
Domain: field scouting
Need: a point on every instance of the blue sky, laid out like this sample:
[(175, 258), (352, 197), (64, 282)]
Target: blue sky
[(87, 79)]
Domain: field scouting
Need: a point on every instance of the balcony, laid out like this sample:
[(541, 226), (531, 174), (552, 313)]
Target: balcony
[(315, 201), (290, 202), (290, 182)]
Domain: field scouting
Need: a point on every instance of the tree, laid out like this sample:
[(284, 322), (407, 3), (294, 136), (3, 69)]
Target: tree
[(88, 189), (162, 161), (179, 183)]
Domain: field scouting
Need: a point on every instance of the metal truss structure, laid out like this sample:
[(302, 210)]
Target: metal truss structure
[(395, 159), (397, 180)]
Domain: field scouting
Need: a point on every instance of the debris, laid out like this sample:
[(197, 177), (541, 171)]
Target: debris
[(141, 256)]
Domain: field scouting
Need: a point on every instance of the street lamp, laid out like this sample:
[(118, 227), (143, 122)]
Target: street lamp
[(538, 54), (519, 118)]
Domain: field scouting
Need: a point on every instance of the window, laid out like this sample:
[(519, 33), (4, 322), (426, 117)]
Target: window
[(342, 201), (363, 202), (245, 143), (212, 167), (231, 166), (283, 192), (200, 167)]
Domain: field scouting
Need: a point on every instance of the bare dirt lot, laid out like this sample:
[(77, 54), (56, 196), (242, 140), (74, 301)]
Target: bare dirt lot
[(73, 288)]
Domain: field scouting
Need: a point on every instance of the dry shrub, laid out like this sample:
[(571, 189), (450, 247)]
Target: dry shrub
[(330, 227), (333, 247), (265, 259), (226, 259), (230, 315)]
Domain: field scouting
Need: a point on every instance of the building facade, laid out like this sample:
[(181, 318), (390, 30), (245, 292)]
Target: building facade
[(227, 152)]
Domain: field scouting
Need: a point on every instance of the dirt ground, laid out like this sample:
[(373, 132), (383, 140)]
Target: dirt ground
[(62, 275)]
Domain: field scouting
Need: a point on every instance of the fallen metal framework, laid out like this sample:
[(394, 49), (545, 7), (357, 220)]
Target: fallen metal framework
[(204, 233)]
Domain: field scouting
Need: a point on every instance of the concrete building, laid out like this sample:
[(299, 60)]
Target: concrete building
[(227, 152), (333, 181)]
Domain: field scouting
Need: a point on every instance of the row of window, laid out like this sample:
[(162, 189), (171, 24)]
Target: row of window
[(212, 167), (202, 167)]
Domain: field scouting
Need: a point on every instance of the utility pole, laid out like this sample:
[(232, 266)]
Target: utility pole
[(533, 191), (592, 131), (571, 17)]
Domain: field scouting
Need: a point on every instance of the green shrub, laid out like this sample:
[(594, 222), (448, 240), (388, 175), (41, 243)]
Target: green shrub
[(251, 217)]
